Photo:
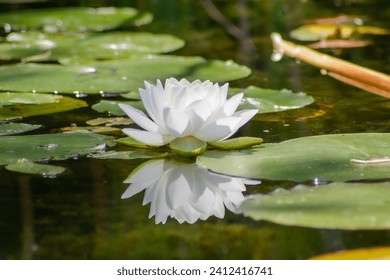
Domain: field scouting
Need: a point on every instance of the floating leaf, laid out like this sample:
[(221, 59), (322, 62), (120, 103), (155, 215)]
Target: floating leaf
[(10, 98), (336, 206), (378, 253), (325, 157), (236, 143), (94, 129), (144, 154), (73, 18), (27, 110), (34, 45), (188, 146), (129, 141), (270, 100), (29, 167), (112, 107), (110, 121), (44, 147), (115, 76), (16, 128), (317, 32)]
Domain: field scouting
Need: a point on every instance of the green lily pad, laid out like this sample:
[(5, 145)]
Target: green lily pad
[(326, 157), (39, 46), (26, 110), (188, 146), (29, 167), (317, 32), (115, 76), (45, 147), (16, 128), (334, 206), (144, 154), (73, 19), (236, 143), (270, 100), (111, 106), (131, 142), (10, 98)]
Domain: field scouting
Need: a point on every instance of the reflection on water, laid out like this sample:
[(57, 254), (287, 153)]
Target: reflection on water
[(185, 191)]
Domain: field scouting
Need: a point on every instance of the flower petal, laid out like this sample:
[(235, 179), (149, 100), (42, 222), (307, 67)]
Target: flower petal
[(176, 122), (245, 116), (231, 104), (217, 130), (149, 138), (139, 118)]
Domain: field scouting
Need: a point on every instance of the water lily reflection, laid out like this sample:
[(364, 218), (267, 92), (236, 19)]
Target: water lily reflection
[(186, 192)]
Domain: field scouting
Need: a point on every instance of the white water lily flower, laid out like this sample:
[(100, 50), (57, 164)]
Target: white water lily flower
[(186, 192), (183, 109)]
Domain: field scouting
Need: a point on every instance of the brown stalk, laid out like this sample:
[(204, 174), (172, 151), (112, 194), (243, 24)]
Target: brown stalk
[(353, 74)]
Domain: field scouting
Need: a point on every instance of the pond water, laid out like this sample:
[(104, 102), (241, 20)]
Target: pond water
[(80, 214)]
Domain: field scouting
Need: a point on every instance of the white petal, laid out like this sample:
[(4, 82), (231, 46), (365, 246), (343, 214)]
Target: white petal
[(176, 122), (154, 100), (139, 118), (245, 116), (231, 105), (148, 138), (217, 130)]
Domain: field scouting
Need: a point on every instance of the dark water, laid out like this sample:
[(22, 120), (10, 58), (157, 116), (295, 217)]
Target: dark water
[(80, 214)]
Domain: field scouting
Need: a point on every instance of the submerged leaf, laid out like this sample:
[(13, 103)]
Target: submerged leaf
[(115, 76), (325, 157), (28, 167), (335, 206), (73, 18)]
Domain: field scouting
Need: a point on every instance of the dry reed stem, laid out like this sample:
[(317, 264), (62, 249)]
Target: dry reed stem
[(353, 74)]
